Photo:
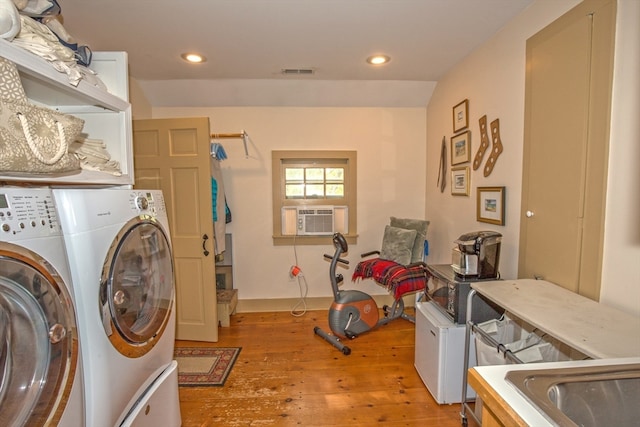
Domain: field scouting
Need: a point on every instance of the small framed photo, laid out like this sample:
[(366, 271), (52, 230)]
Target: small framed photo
[(491, 205), (460, 181), (461, 148), (461, 116)]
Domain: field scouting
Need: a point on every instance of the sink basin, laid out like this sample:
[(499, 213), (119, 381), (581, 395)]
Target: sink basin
[(586, 396)]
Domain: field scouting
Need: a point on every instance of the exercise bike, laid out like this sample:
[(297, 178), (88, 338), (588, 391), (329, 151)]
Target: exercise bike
[(352, 312)]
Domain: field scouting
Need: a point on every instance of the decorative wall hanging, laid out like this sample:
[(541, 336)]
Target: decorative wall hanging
[(484, 142), (461, 148), (490, 207), (496, 149), (442, 172), (461, 116), (460, 181)]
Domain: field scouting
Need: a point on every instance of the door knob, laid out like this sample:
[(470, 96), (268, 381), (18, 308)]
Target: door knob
[(529, 214), (204, 244)]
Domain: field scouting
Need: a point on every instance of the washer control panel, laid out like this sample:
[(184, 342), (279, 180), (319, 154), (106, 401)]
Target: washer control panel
[(27, 213), (149, 202)]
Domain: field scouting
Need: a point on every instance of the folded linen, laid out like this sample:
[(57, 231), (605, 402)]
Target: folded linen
[(93, 155)]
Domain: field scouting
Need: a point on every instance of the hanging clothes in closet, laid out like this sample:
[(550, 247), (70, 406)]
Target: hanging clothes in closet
[(221, 213)]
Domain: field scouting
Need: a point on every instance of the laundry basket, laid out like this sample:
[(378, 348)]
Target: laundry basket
[(511, 340)]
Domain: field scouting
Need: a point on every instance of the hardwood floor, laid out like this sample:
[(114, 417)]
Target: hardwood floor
[(286, 375)]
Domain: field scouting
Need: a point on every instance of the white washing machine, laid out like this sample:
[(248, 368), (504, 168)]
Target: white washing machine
[(40, 365), (119, 250)]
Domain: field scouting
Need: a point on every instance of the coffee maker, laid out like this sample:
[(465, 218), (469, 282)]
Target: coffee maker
[(477, 255)]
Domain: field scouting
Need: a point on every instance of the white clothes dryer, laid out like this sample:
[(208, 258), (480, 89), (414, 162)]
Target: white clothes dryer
[(119, 250), (40, 365)]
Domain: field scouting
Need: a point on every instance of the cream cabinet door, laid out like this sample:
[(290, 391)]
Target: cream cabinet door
[(567, 114), (173, 155)]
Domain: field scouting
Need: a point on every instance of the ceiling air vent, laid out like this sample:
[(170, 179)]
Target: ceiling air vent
[(298, 71)]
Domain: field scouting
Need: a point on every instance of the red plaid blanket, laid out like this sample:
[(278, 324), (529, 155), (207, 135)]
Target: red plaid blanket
[(395, 277)]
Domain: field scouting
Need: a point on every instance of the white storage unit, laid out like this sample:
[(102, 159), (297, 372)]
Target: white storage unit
[(107, 115), (439, 357)]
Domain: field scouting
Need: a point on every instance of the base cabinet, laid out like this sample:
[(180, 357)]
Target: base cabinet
[(439, 354)]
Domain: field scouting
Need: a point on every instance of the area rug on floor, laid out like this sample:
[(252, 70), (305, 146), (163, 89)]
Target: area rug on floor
[(204, 366)]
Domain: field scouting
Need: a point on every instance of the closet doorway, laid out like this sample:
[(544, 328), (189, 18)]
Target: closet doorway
[(173, 155)]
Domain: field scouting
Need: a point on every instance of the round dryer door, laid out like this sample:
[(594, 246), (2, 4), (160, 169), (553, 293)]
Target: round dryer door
[(137, 287), (38, 345)]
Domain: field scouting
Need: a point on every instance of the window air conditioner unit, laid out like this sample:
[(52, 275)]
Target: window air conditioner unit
[(314, 220)]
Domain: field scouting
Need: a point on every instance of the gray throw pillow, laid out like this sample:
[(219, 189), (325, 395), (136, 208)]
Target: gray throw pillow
[(421, 226), (397, 244)]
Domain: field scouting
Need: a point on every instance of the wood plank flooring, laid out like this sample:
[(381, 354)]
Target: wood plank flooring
[(285, 375)]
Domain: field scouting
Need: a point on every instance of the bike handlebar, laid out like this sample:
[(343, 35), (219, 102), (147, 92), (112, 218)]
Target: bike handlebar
[(344, 261)]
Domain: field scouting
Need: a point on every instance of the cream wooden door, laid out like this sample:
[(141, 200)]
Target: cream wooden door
[(568, 90), (173, 155)]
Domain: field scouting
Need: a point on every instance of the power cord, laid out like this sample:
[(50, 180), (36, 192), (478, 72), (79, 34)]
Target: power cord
[(296, 311), (296, 272)]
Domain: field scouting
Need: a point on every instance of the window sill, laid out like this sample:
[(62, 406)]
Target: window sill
[(352, 239)]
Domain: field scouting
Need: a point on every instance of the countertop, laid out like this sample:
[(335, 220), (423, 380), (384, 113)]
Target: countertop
[(494, 376), (596, 330)]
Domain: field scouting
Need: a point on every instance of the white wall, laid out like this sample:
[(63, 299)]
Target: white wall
[(140, 106), (392, 174), (621, 266), (493, 78), (391, 181)]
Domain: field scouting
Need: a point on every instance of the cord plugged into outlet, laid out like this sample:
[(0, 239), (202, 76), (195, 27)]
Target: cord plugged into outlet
[(296, 275), (295, 271)]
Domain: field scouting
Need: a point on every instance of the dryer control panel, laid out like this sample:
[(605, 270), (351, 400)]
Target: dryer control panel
[(28, 213)]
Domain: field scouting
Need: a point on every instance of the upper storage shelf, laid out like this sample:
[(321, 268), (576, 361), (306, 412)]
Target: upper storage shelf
[(107, 114)]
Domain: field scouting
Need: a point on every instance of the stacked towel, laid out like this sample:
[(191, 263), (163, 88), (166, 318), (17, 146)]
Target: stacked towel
[(37, 38), (41, 40), (94, 156)]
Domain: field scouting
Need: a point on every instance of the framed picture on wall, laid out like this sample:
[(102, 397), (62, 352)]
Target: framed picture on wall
[(490, 206), (461, 116), (460, 181), (461, 148)]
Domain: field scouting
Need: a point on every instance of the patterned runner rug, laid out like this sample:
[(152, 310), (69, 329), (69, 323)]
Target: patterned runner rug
[(204, 366)]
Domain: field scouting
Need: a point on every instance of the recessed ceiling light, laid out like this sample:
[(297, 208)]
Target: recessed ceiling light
[(378, 59), (194, 58)]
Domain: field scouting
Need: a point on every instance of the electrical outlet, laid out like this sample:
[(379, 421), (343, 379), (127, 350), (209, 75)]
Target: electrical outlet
[(295, 270)]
